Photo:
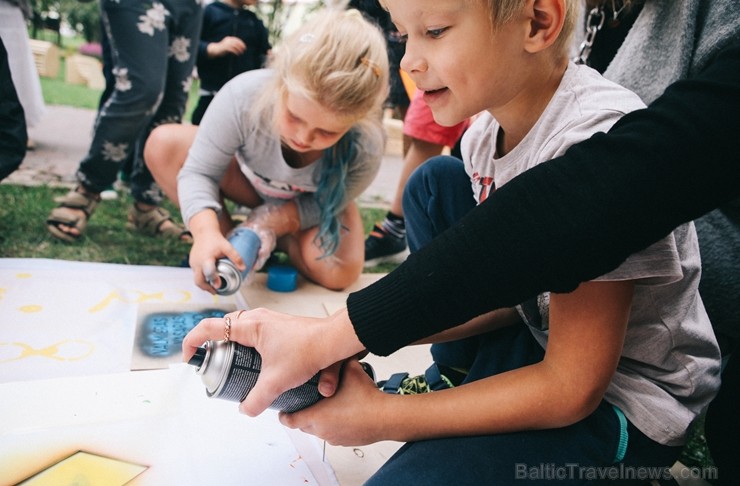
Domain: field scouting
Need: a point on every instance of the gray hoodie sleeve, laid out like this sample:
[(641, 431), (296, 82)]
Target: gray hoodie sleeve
[(221, 133)]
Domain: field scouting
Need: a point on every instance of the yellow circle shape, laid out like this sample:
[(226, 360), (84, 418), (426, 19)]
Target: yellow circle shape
[(30, 308)]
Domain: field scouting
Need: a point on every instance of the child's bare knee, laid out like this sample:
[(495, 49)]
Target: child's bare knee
[(154, 148), (161, 144)]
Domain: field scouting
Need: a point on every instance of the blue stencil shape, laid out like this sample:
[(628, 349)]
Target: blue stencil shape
[(162, 333)]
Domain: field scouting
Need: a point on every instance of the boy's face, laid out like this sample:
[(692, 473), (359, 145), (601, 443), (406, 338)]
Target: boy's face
[(454, 56)]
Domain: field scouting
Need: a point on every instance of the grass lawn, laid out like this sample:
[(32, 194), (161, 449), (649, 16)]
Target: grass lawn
[(57, 92), (23, 212)]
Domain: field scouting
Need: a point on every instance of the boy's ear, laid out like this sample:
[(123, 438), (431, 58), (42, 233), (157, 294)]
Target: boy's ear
[(546, 23)]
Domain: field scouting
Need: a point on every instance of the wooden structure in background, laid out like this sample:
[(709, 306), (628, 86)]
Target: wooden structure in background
[(46, 56)]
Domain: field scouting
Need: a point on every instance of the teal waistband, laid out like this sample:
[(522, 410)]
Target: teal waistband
[(623, 435)]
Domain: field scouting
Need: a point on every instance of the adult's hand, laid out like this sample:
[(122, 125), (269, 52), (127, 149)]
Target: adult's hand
[(293, 349)]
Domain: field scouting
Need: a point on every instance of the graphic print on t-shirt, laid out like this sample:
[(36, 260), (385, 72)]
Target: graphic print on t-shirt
[(272, 188), (483, 186)]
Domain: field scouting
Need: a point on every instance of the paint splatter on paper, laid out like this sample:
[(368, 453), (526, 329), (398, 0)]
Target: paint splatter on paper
[(160, 329), (86, 468)]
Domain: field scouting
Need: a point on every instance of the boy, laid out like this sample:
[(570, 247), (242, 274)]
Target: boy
[(565, 385), (606, 339)]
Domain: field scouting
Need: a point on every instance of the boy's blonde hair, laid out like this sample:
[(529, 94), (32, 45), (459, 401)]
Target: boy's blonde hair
[(503, 11), (337, 59)]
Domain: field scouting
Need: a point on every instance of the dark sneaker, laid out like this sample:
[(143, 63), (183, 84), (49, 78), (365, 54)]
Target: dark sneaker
[(403, 384), (381, 247)]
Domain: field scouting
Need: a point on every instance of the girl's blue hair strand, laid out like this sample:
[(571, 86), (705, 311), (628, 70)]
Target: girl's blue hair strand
[(330, 192)]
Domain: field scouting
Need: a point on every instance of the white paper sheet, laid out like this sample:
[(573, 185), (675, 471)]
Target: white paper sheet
[(161, 419), (66, 334), (60, 318)]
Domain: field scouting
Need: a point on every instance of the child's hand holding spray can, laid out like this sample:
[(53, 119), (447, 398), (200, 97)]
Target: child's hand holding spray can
[(253, 244), (247, 243)]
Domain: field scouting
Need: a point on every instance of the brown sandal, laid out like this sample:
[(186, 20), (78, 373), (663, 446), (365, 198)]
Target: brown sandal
[(152, 221), (68, 213)]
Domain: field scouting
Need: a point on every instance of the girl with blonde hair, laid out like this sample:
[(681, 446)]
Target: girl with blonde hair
[(296, 142)]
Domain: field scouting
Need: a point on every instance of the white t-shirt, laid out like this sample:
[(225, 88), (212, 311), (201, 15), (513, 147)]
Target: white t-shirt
[(669, 368)]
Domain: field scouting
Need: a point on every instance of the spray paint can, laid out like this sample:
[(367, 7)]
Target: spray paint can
[(229, 371), (247, 243)]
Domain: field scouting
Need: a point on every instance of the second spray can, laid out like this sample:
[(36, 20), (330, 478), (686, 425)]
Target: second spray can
[(247, 243)]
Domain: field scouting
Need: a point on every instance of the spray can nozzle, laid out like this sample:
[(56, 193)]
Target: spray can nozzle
[(198, 358)]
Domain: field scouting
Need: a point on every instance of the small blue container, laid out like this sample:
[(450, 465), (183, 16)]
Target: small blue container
[(282, 278)]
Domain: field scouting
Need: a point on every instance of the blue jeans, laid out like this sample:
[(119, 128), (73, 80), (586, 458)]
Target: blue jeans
[(153, 52), (437, 194)]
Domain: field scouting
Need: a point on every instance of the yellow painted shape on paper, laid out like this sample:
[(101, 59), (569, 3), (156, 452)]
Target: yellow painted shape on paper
[(52, 351), (142, 297), (23, 275), (30, 308), (89, 469)]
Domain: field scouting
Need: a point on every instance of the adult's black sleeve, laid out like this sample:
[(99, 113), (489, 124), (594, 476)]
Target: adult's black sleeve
[(570, 219)]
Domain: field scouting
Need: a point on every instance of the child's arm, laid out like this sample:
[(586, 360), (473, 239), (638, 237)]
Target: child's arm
[(281, 219), (209, 243), (220, 135), (228, 45), (487, 322), (587, 330)]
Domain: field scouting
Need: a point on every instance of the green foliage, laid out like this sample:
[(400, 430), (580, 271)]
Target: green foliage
[(277, 15), (696, 452), (83, 16)]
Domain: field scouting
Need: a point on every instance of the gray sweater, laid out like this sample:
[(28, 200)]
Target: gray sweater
[(227, 131)]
